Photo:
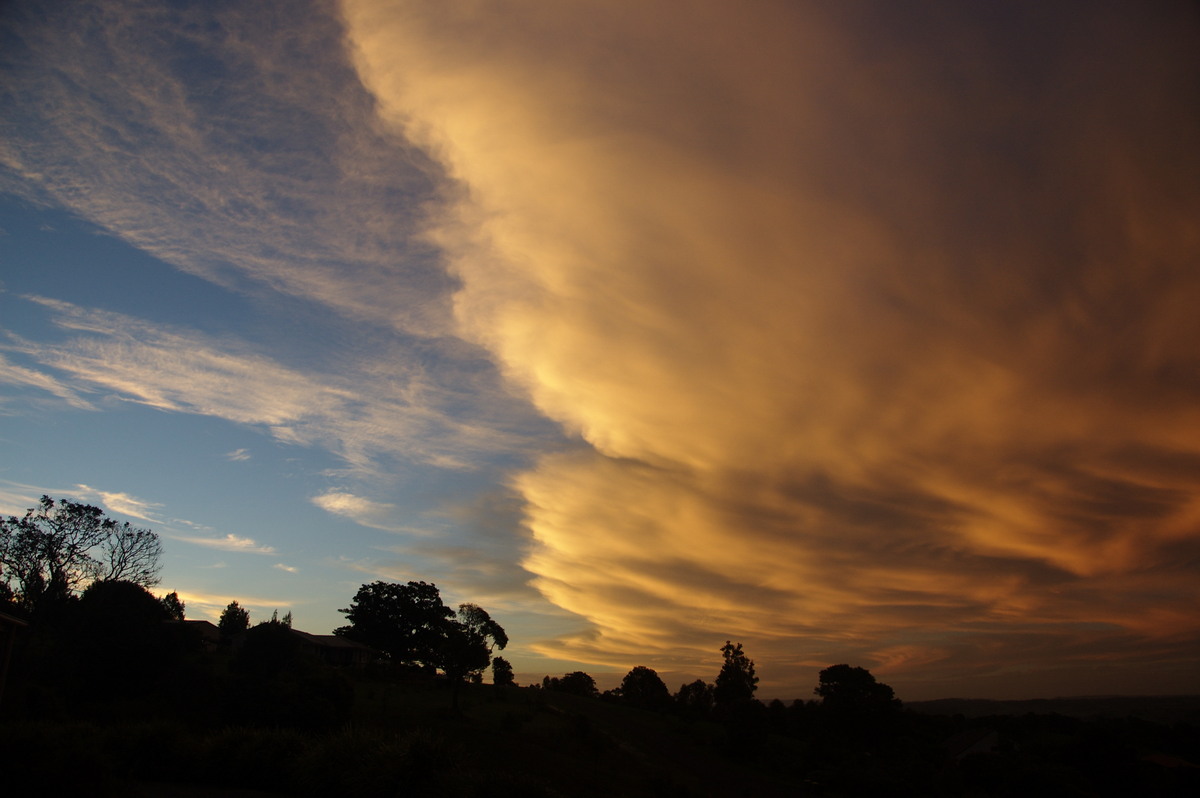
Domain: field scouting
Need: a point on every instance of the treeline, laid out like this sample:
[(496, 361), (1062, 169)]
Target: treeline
[(118, 681)]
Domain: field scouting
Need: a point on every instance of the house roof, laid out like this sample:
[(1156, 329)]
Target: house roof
[(12, 620), (332, 641)]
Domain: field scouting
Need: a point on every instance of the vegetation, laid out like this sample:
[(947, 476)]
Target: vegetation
[(60, 547), (233, 621), (502, 673), (736, 682), (116, 683)]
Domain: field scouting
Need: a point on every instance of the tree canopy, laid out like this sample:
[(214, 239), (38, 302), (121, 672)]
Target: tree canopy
[(406, 622), (576, 683), (410, 624), (695, 698), (502, 672), (234, 619), (736, 682), (847, 688), (465, 647), (643, 688), (173, 605), (60, 547)]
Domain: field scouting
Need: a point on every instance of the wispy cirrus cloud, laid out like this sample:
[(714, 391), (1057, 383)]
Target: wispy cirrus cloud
[(359, 509), (238, 455), (254, 182), (230, 542), (16, 375), (123, 503), (361, 412)]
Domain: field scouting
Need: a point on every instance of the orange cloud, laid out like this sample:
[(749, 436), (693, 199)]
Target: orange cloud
[(879, 345)]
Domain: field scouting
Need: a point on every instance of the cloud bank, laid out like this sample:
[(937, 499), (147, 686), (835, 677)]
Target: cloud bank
[(878, 321)]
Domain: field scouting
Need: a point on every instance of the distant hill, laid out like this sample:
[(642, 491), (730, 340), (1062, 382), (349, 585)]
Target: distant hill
[(1167, 709)]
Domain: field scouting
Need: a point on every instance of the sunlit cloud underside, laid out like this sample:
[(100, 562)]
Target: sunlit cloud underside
[(856, 332), (885, 349)]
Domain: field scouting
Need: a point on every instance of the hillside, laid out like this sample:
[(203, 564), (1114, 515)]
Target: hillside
[(1158, 709)]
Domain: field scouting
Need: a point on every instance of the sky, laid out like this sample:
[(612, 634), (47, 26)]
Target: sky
[(858, 332)]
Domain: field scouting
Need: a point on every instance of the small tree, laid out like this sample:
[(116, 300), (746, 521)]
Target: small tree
[(502, 672), (695, 698), (234, 620), (736, 682), (642, 688), (173, 606)]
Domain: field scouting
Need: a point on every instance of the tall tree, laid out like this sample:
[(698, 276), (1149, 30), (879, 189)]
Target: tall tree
[(736, 682), (476, 621), (466, 646), (60, 547)]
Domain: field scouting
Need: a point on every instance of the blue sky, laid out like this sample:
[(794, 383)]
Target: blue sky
[(857, 333)]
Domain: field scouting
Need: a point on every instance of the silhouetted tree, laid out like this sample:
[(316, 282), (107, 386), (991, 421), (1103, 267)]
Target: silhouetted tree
[(233, 621), (736, 682), (478, 623), (62, 546), (407, 622), (642, 688), (849, 689), (465, 647), (575, 683), (502, 672), (122, 641), (856, 711), (173, 606), (695, 698)]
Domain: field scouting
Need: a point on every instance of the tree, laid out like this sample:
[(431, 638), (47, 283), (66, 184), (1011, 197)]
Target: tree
[(121, 640), (502, 672), (466, 645), (408, 623), (846, 689), (60, 547), (695, 698), (477, 622), (173, 606), (465, 648), (234, 620), (642, 688), (575, 683), (736, 682)]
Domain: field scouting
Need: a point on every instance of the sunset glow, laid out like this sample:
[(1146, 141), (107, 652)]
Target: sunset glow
[(855, 332)]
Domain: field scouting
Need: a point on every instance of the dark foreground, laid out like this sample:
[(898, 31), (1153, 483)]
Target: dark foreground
[(395, 737)]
